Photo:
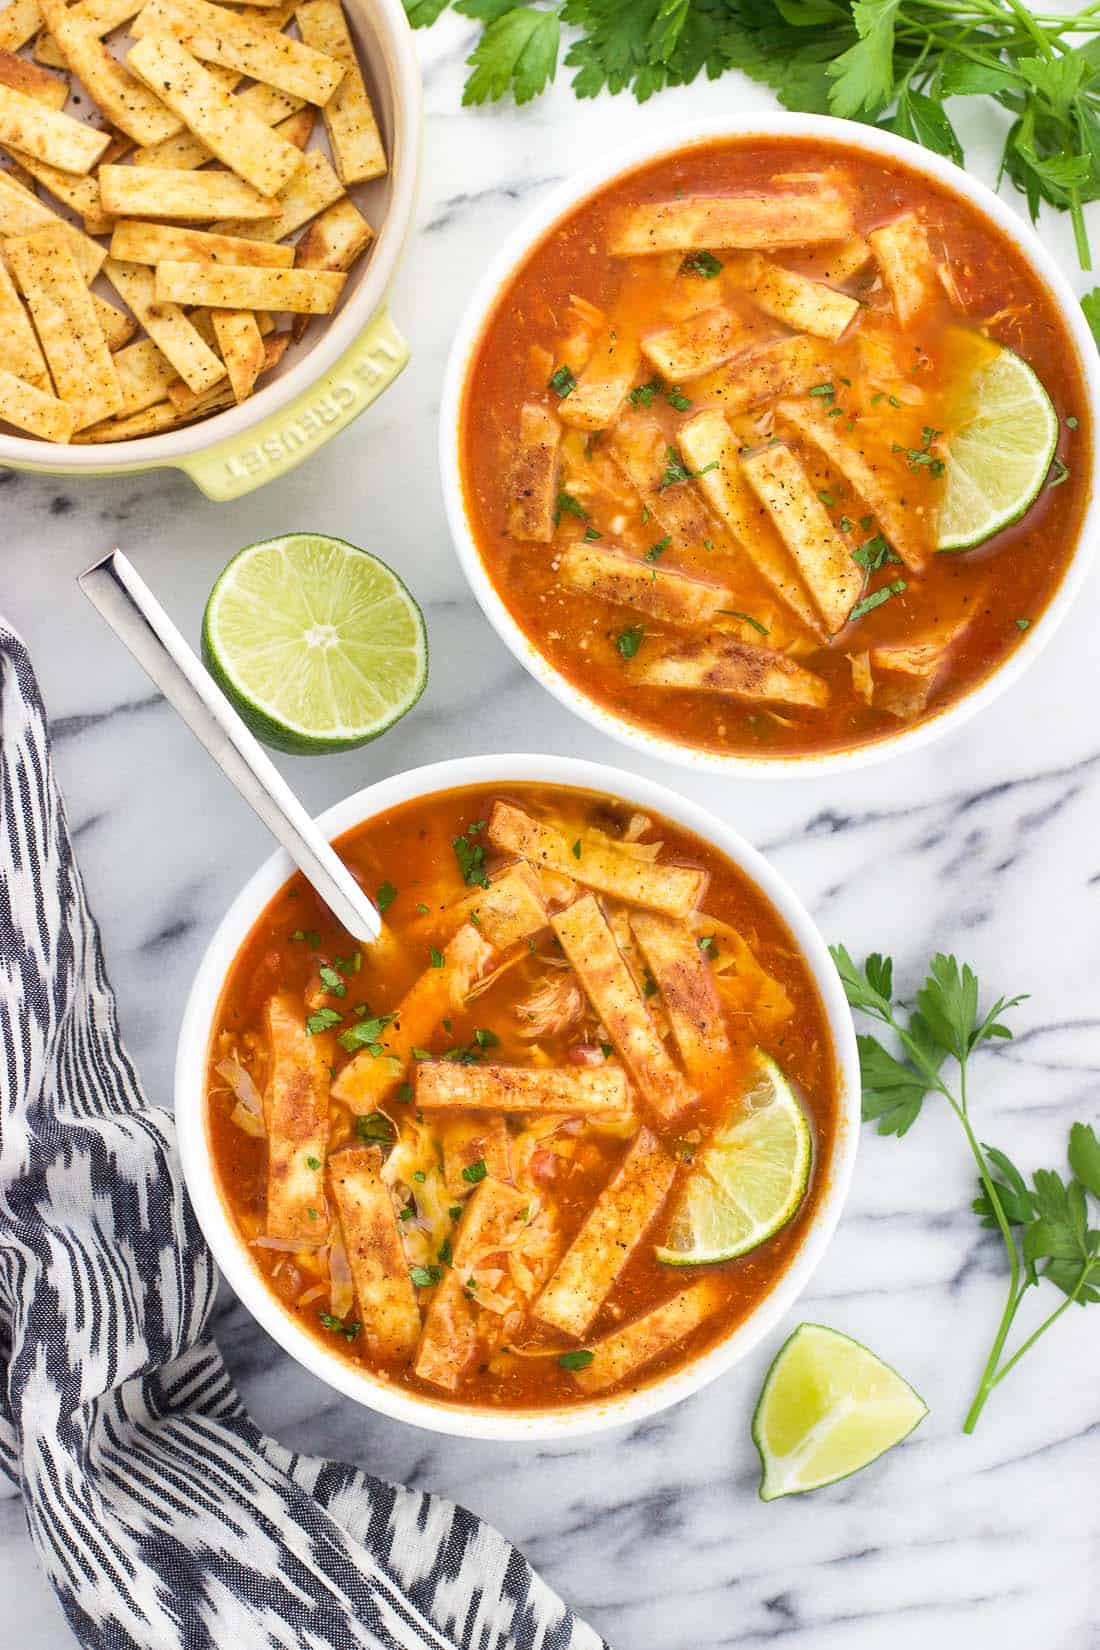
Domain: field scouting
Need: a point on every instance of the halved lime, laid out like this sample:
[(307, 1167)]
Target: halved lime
[(828, 1408), (998, 450), (749, 1179), (318, 644)]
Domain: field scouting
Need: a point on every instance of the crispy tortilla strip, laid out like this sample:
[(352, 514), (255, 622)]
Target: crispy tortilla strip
[(619, 1356), (131, 107), (332, 241), (604, 383), (590, 946), (631, 581), (675, 889), (21, 76), (296, 1112), (474, 1137), (217, 36), (612, 1230), (384, 1294), (349, 118), (365, 1081), (118, 328), (905, 258), (535, 470), (241, 348), (298, 128), (153, 420), (174, 335), (837, 263), (754, 222), (22, 214), (20, 355), (449, 1340), (868, 471), (153, 243), (187, 401), (33, 410), (309, 191), (683, 976), (575, 1090), (788, 367), (777, 477), (238, 137), (162, 192), (913, 667), (709, 448), (18, 21), (734, 668), (302, 291), (79, 194), (699, 344), (66, 322), (185, 151), (640, 448), (100, 16), (47, 134), (800, 303), (144, 374), (511, 909)]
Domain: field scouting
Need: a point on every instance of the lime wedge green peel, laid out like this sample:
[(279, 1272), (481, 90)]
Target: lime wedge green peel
[(828, 1408), (998, 454), (317, 644), (750, 1179)]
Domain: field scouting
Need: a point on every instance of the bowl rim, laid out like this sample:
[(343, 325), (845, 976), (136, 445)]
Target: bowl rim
[(230, 1253), (517, 246), (398, 53)]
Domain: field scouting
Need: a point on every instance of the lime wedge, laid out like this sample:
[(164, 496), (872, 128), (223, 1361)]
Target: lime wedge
[(319, 645), (828, 1408), (998, 449), (750, 1178)]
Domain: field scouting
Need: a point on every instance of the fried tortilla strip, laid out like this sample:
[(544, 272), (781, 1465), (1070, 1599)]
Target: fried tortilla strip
[(129, 106), (21, 213), (511, 909), (349, 118), (241, 348), (20, 355), (152, 420), (790, 366), (473, 1137), (309, 191), (32, 409), (535, 471), (737, 669), (18, 22), (66, 322), (233, 286), (144, 374), (152, 243), (384, 1294), (905, 258), (186, 401), (20, 76), (674, 889), (174, 335), (100, 16), (777, 477), (754, 222), (185, 151), (218, 36), (619, 1356), (365, 1081), (189, 196), (238, 137), (697, 345), (709, 448), (684, 979), (47, 134), (640, 448), (118, 328), (574, 1090), (296, 1113), (839, 262), (631, 581), (612, 1230), (867, 472), (800, 303), (449, 1340), (298, 128), (335, 239), (590, 946), (79, 194), (604, 383)]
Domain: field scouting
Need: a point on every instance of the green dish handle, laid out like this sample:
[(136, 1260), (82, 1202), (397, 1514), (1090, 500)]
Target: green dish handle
[(270, 449)]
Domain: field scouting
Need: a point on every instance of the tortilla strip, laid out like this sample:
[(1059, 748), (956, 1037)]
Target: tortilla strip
[(590, 946), (131, 107), (449, 1339), (66, 322), (697, 345), (153, 420), (174, 335), (19, 20), (234, 286), (511, 909), (620, 1355), (151, 243), (777, 477), (353, 133), (335, 239), (79, 194), (790, 366), (100, 16), (535, 469), (185, 151), (631, 581), (871, 477), (905, 258), (21, 213), (684, 979), (573, 1090), (839, 262), (47, 134), (473, 1137), (800, 303), (737, 669), (240, 347), (21, 76), (191, 402), (640, 448), (604, 383), (20, 355), (296, 1113), (710, 449), (118, 328), (218, 36), (384, 1294), (144, 374), (238, 137), (755, 222), (33, 409), (309, 191), (163, 192)]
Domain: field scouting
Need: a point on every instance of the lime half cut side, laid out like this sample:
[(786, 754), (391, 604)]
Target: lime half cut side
[(318, 644), (828, 1408), (749, 1179), (998, 451)]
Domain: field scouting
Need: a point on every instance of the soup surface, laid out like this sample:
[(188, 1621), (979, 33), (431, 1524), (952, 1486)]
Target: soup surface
[(705, 447), (454, 1155)]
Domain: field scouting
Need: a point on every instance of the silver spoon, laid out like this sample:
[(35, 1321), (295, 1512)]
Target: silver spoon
[(121, 597)]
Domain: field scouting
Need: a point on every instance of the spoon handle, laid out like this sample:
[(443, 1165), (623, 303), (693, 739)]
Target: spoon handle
[(124, 600)]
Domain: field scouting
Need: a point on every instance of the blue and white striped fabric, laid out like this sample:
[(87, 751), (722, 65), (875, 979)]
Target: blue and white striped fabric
[(164, 1519)]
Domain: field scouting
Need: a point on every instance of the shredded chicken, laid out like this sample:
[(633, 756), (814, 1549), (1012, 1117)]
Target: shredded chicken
[(554, 1005)]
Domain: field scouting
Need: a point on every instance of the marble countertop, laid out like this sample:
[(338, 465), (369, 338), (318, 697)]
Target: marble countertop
[(985, 844)]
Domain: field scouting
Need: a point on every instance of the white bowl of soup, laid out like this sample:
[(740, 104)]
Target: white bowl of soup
[(698, 438), (442, 1172)]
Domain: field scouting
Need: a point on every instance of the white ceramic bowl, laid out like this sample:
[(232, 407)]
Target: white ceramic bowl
[(231, 1254), (560, 201), (341, 365)]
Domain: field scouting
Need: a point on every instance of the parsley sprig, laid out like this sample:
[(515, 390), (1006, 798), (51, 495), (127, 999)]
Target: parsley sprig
[(1044, 1227)]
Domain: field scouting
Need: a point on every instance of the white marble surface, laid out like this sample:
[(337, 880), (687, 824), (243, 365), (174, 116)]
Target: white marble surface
[(985, 844)]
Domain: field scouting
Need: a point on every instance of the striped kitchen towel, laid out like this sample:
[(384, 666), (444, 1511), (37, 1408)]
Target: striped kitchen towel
[(163, 1517)]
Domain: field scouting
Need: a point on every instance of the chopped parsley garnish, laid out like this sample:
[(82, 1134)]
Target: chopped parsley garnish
[(375, 1129), (578, 1359), (701, 263), (657, 550), (485, 1038), (422, 908), (1071, 423), (591, 534), (577, 849), (322, 1019), (419, 1176), (422, 1054), (735, 613), (642, 394), (338, 1326), (471, 860), (649, 986), (630, 640), (607, 1050), (437, 956), (455, 1211), (365, 1034), (562, 382), (313, 1163), (1023, 624), (312, 1213), (405, 1093), (425, 1276), (826, 391), (707, 943), (309, 935), (1059, 473), (569, 506), (473, 1172), (676, 470), (676, 398), (332, 981), (828, 499), (876, 599), (386, 896), (875, 553), (349, 965), (446, 1253)]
